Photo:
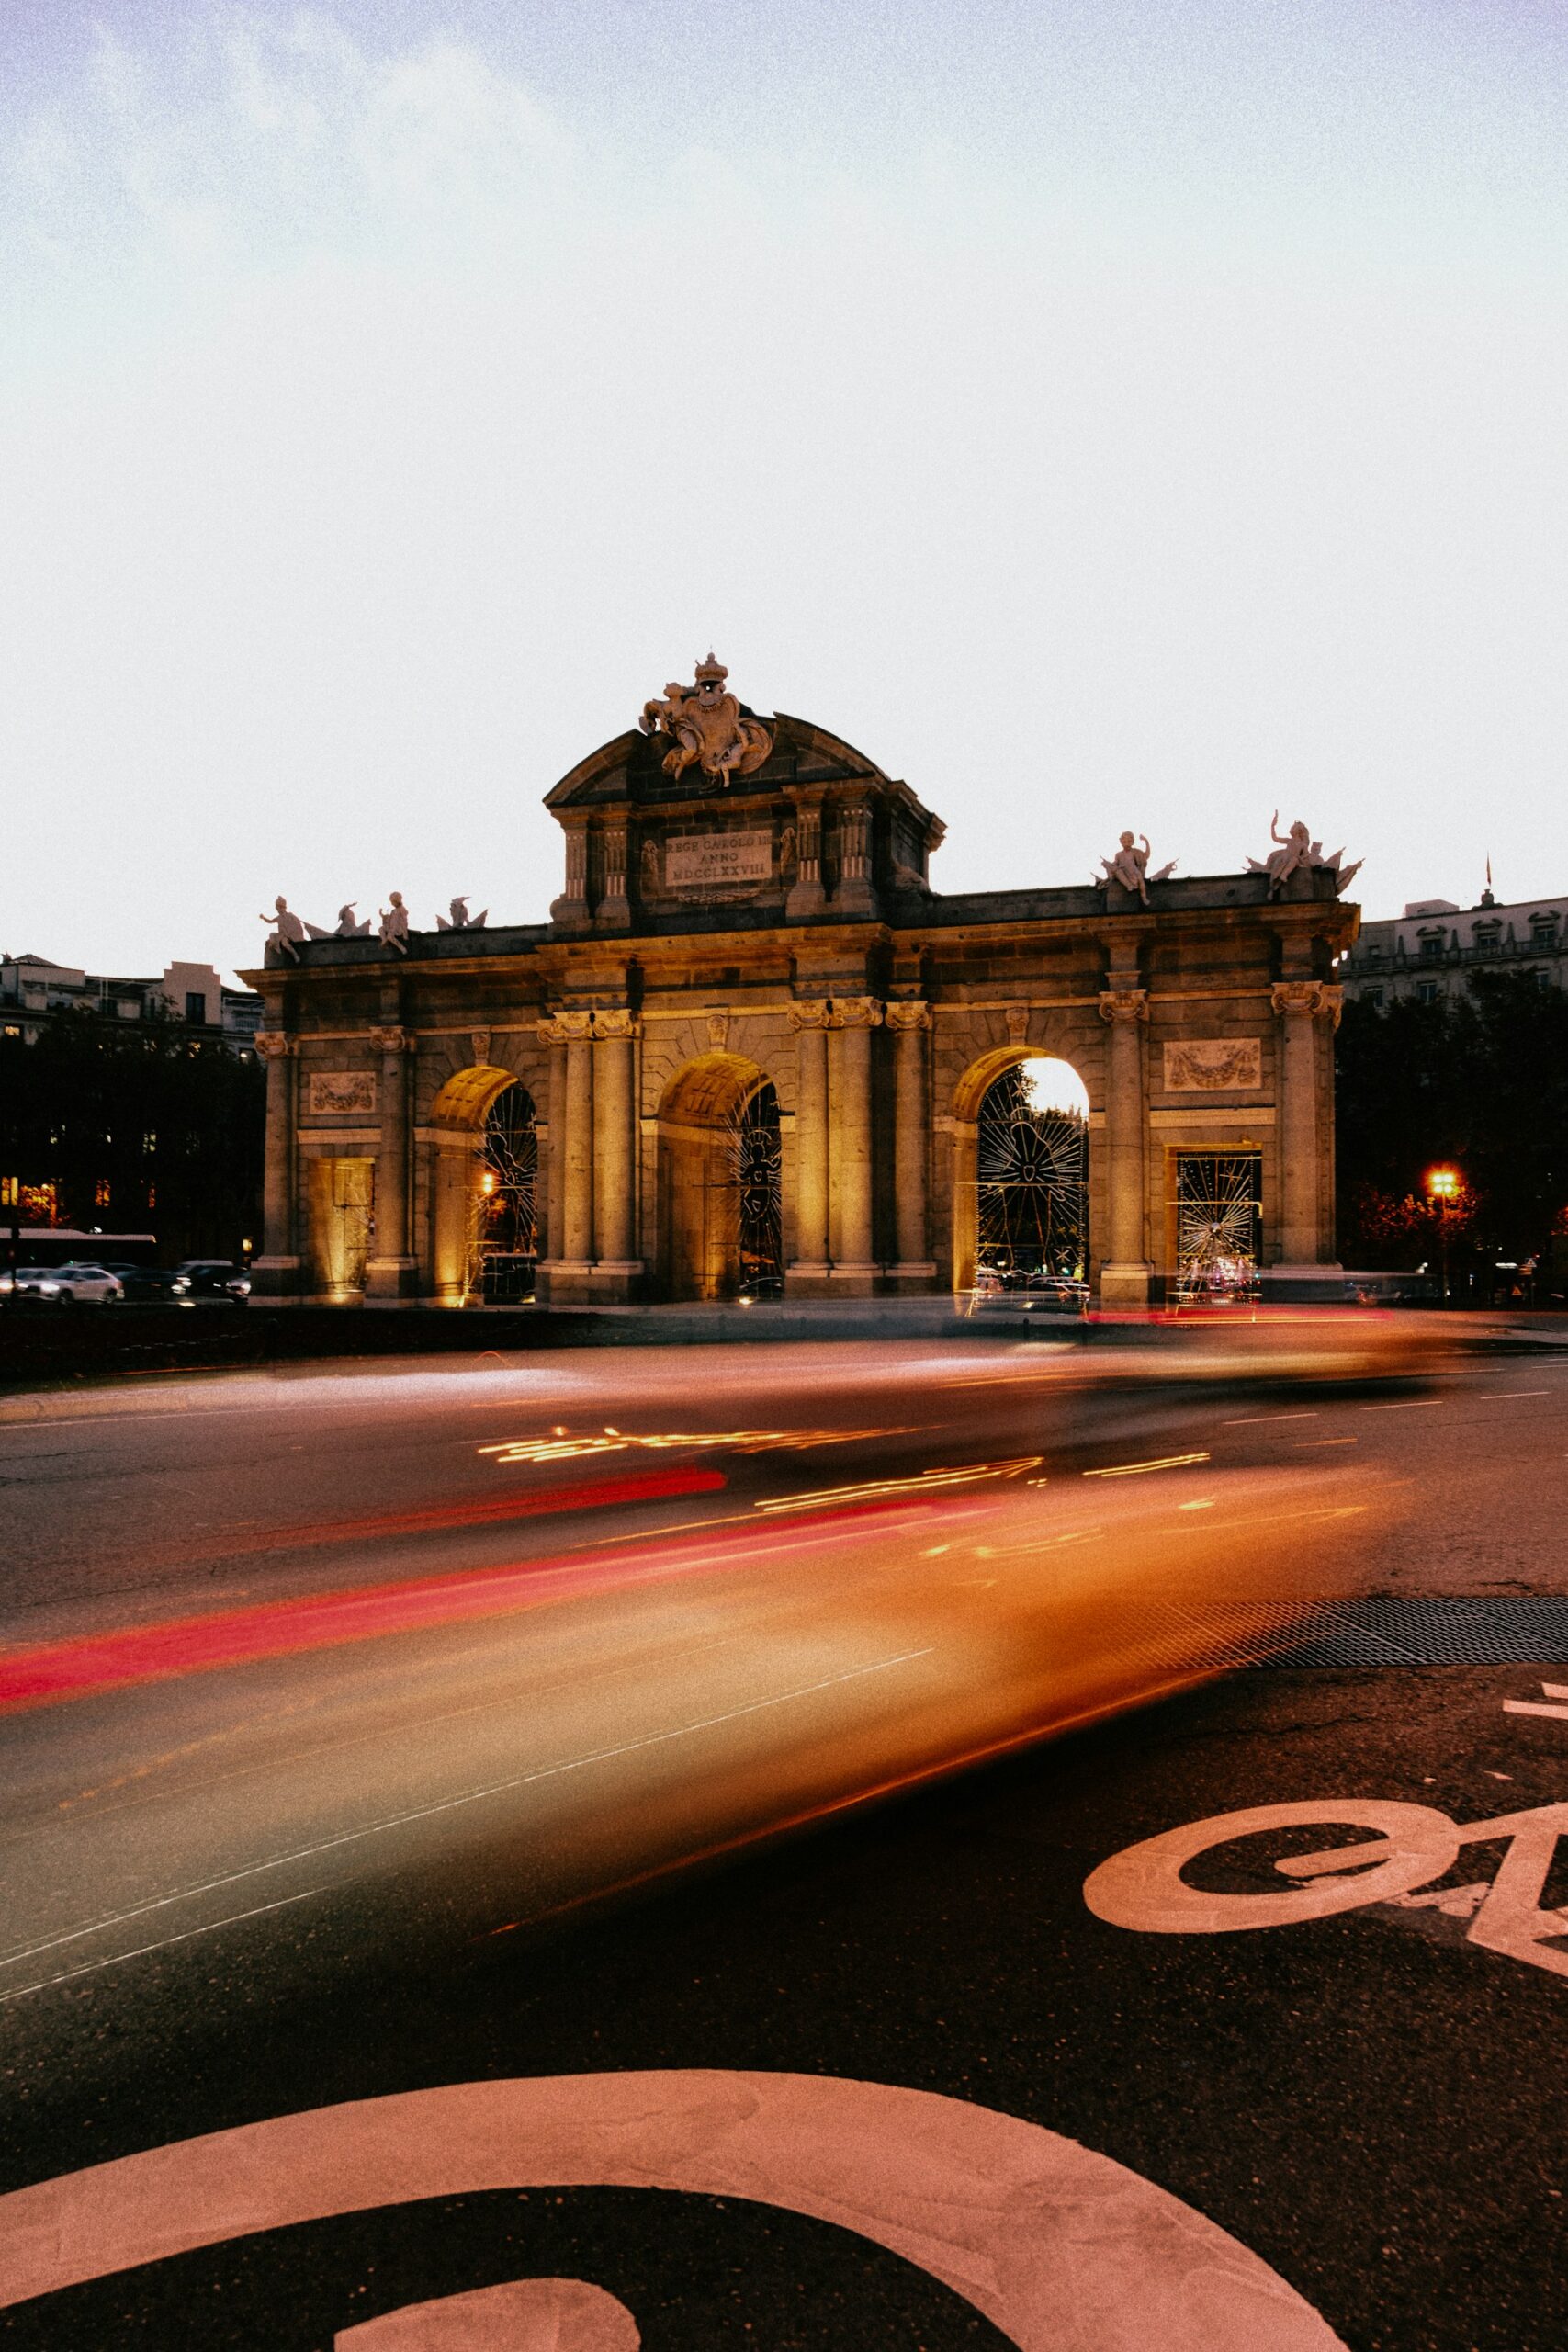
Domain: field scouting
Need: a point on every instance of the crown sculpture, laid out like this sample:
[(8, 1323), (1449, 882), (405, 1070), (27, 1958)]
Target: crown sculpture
[(706, 729)]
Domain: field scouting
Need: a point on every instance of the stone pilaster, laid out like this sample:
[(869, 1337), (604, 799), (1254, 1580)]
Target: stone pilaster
[(810, 1021), (853, 1267), (390, 1270), (909, 1021), (851, 892), (614, 911), (806, 896), (570, 911), (1299, 1006), (276, 1273), (1124, 1271)]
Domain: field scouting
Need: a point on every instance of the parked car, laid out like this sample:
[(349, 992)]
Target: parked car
[(152, 1285), (34, 1282), (216, 1278), (78, 1283)]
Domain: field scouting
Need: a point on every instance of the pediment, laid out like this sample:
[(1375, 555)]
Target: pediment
[(630, 768)]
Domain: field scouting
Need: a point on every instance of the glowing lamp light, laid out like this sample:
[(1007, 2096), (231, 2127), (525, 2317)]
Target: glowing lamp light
[(1442, 1183)]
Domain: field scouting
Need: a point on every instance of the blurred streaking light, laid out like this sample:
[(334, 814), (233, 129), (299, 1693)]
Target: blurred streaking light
[(1137, 1469), (878, 1490), (559, 1447)]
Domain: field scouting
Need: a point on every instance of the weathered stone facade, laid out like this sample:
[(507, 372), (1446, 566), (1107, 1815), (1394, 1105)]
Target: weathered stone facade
[(772, 920)]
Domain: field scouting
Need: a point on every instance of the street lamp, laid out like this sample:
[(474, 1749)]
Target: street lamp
[(1443, 1184)]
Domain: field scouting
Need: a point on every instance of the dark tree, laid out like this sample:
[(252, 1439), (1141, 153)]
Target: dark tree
[(1479, 1082), (138, 1127)]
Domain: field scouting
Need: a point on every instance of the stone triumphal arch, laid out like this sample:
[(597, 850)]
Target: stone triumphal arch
[(753, 1052)]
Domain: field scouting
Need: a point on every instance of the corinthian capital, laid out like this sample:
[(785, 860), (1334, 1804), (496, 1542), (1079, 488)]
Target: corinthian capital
[(1318, 1000), (615, 1023), (392, 1041), (273, 1046), (908, 1013), (809, 1013), (856, 1012), (1117, 1005)]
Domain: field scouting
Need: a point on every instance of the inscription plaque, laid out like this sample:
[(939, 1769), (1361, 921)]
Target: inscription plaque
[(710, 861)]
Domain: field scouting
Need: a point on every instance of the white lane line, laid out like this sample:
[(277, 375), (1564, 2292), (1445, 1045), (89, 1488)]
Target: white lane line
[(1256, 1420), (1410, 1405), (91, 1967), (469, 1796), (1506, 1395)]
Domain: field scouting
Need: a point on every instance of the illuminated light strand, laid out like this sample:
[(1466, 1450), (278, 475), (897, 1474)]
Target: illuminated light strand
[(880, 1489), (1138, 1469), (559, 1447)]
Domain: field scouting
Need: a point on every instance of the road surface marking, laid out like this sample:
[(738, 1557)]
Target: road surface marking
[(1256, 1420), (448, 1804), (1305, 1442), (1409, 1405), (1051, 2241), (92, 1967), (1506, 1395), (1143, 1887), (1535, 1707)]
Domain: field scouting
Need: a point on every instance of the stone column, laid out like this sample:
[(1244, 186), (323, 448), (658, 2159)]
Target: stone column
[(1124, 1271), (1299, 1006), (617, 1265), (553, 1036), (849, 1087), (390, 1271), (909, 1021), (809, 1020), (571, 909), (614, 911), (577, 1207), (275, 1274)]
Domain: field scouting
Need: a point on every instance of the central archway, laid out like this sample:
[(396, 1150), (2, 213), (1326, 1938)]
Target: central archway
[(720, 1196), (1020, 1200)]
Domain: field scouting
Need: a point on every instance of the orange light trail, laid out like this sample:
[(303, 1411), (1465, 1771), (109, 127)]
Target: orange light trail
[(560, 1447)]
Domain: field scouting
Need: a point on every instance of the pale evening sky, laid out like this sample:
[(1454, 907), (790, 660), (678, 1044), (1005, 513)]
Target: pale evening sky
[(1103, 413)]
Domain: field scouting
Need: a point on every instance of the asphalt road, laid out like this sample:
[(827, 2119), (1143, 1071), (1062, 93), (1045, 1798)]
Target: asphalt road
[(372, 1731)]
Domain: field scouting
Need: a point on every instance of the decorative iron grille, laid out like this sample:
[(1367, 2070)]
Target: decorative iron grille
[(506, 1235), (1032, 1167), (754, 1172), (1218, 1224)]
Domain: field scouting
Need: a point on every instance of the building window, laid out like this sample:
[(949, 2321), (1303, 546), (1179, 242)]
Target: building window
[(101, 1193), (1431, 946), (1428, 991), (195, 1008), (1372, 955), (1486, 941), (1372, 997)]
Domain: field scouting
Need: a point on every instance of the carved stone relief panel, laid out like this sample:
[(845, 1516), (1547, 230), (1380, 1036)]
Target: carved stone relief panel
[(1213, 1066), (331, 1093)]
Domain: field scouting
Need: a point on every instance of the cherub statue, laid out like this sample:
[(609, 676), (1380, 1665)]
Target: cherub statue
[(347, 926), (1129, 867), (1299, 854), (394, 928), (290, 930), (706, 727), (650, 865), (461, 920)]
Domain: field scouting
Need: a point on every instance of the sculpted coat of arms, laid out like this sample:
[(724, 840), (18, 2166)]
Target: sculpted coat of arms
[(706, 729)]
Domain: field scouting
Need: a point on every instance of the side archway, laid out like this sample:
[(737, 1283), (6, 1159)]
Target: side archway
[(1021, 1175), (484, 1200), (719, 1184)]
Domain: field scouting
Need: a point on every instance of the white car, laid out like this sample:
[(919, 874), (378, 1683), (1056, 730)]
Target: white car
[(88, 1285)]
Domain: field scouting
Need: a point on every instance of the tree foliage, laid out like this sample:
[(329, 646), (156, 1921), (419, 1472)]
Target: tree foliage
[(138, 1127), (1478, 1082)]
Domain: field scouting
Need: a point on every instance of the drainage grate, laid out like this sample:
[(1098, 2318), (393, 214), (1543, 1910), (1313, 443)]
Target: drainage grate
[(1429, 1632)]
